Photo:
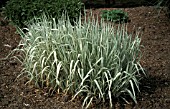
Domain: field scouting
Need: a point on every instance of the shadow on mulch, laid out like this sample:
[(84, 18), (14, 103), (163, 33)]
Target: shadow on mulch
[(117, 4), (150, 84)]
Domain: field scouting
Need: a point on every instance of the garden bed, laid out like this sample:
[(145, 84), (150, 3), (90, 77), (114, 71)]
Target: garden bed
[(155, 88)]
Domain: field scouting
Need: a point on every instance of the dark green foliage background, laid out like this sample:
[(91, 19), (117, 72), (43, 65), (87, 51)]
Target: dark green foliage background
[(20, 11)]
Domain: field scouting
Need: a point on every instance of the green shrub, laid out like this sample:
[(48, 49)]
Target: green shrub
[(114, 15), (93, 60), (21, 11)]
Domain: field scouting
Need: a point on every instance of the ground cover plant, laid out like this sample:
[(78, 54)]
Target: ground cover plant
[(115, 15), (91, 60)]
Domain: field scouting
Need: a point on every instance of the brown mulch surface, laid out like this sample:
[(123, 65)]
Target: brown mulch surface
[(155, 88)]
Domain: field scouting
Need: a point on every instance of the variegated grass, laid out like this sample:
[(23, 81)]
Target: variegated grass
[(92, 59)]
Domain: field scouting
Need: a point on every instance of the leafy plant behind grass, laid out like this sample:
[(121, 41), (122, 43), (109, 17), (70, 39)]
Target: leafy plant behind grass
[(21, 11), (93, 60), (114, 15)]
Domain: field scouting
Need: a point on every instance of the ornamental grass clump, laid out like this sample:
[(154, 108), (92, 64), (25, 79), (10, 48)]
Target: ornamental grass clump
[(96, 61)]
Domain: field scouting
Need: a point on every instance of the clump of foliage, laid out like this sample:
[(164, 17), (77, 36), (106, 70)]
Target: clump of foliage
[(96, 61), (21, 11), (114, 15)]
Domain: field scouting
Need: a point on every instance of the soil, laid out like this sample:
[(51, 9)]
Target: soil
[(155, 87)]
